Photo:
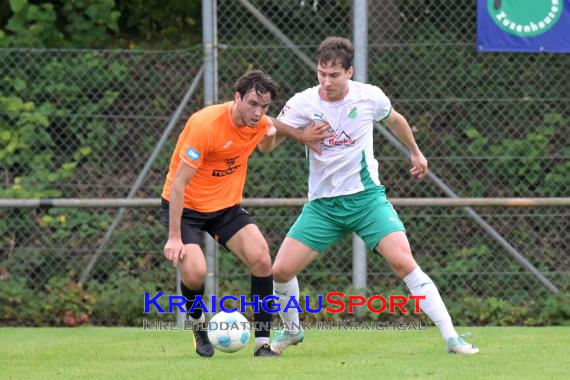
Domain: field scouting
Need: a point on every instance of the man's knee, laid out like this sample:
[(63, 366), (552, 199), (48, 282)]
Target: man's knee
[(193, 276), (260, 260), (193, 281), (404, 265), (281, 273)]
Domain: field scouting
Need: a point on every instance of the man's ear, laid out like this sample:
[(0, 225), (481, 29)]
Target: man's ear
[(350, 71), (237, 97)]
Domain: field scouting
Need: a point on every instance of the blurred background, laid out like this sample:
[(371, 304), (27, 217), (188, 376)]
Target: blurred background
[(93, 95)]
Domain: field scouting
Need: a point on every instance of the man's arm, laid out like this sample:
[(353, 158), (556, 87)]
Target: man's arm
[(174, 248), (269, 142), (401, 129), (310, 136)]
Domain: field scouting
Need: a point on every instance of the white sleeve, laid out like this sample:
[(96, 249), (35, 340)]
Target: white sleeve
[(291, 115), (382, 105)]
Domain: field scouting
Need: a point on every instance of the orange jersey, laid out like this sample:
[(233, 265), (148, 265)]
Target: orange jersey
[(218, 149)]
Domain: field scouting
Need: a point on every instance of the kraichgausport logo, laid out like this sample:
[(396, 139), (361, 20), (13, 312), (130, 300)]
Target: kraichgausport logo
[(335, 303), (525, 18), (340, 325)]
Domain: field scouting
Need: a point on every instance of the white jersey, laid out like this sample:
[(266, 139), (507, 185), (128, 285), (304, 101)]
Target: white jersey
[(346, 164)]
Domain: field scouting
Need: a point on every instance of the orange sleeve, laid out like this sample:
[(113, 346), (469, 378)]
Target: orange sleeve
[(195, 145)]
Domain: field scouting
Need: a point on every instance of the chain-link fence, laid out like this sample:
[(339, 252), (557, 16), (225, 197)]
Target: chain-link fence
[(80, 123)]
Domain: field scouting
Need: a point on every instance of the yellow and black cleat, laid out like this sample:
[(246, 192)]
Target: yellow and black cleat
[(202, 344)]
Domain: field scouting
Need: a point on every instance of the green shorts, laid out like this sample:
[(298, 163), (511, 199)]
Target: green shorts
[(324, 221)]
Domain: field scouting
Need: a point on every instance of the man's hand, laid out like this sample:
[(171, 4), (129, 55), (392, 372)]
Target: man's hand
[(314, 133), (420, 165), (174, 250), (271, 130), (269, 141)]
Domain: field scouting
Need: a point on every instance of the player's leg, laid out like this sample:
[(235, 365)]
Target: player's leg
[(193, 273), (292, 258), (313, 232), (382, 230), (395, 248), (245, 240)]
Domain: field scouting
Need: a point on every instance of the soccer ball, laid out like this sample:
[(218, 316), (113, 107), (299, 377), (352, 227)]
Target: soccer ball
[(228, 332)]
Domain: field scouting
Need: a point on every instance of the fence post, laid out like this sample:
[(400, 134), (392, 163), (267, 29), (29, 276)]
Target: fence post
[(209, 41), (360, 41), (180, 316), (211, 286), (359, 265)]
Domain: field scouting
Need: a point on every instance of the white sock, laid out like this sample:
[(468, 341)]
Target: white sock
[(261, 341), (420, 284), (285, 290), (202, 319)]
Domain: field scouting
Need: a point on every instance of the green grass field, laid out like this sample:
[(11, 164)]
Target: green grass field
[(130, 353)]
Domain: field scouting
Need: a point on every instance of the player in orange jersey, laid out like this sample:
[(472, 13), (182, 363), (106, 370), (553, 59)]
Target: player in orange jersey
[(203, 191)]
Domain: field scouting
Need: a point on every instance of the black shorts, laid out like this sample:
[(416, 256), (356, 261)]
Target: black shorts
[(221, 225)]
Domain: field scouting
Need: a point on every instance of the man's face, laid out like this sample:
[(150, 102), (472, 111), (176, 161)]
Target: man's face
[(333, 80), (251, 108)]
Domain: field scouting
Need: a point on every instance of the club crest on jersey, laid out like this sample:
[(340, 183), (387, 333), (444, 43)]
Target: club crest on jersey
[(352, 112), (193, 154), (342, 139)]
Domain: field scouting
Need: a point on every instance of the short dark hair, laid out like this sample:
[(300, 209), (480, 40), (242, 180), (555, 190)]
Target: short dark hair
[(257, 80), (335, 50)]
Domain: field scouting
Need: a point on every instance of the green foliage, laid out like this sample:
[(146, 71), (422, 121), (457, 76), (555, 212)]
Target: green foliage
[(33, 150), (27, 150), (120, 301), (60, 303), (75, 23), (31, 26), (553, 311), (162, 24), (545, 311), (491, 310), (72, 227), (90, 22), (530, 147), (263, 181), (100, 23)]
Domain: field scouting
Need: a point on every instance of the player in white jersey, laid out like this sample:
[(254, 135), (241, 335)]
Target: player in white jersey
[(345, 194), (349, 151)]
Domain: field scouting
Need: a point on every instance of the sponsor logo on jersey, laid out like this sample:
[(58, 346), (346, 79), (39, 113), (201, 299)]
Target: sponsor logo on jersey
[(193, 154), (342, 139), (225, 172), (231, 161)]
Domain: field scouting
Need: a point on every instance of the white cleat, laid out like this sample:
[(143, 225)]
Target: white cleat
[(284, 339), (460, 346)]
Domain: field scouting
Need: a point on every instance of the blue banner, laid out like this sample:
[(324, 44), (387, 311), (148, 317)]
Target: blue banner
[(533, 26)]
